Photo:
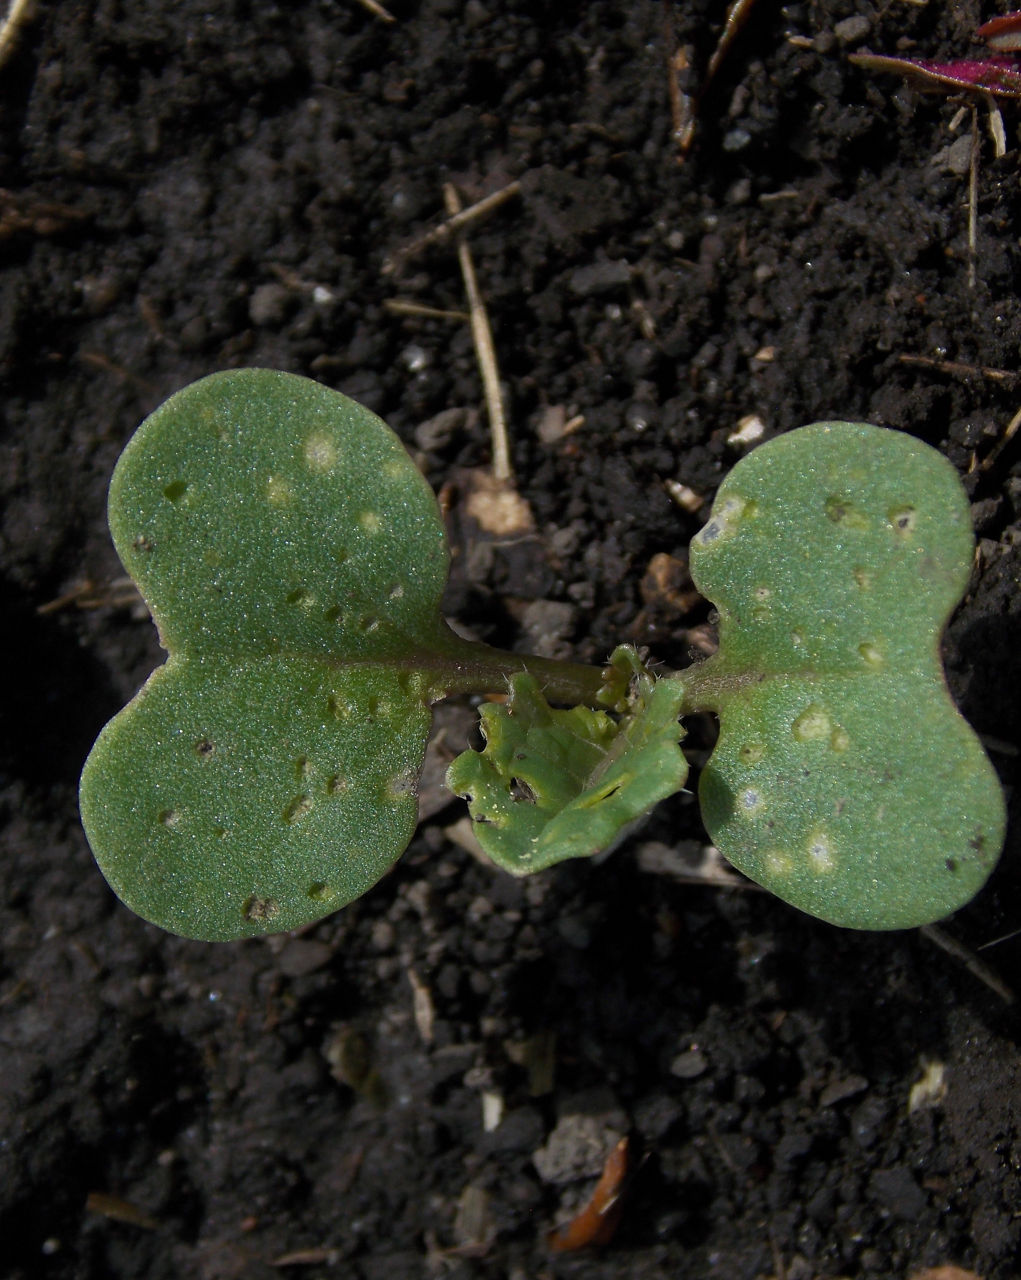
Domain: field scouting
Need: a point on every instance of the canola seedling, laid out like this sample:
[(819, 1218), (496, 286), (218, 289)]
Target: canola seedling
[(293, 559)]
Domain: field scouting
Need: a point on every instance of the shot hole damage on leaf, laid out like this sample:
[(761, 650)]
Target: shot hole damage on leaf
[(725, 521), (250, 562), (812, 724), (278, 492), (298, 807), (903, 519), (260, 910), (521, 791), (871, 655), (872, 774), (843, 511), (321, 453), (297, 590), (821, 853)]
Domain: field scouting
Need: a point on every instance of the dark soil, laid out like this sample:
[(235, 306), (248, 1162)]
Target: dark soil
[(192, 186)]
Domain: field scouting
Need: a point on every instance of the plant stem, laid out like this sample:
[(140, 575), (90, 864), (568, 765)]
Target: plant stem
[(467, 666), (707, 685)]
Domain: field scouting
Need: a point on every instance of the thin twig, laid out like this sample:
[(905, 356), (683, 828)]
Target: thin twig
[(119, 1210), (97, 360), (996, 130), (20, 211), (959, 369), (737, 15), (995, 942), (16, 15), (485, 354), (457, 222), (976, 967), (1010, 431), (377, 10), (973, 199), (779, 1266), (682, 115), (788, 193), (116, 594), (402, 307)]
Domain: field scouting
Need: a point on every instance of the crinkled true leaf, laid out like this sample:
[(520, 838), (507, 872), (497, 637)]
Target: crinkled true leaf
[(553, 784), (844, 779), (293, 559)]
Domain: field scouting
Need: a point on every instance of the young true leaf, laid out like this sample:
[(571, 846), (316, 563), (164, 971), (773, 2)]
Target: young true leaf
[(844, 779), (293, 558), (552, 785), (997, 73)]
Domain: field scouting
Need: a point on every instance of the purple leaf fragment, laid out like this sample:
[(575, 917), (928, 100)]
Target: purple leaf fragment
[(1003, 32), (998, 74)]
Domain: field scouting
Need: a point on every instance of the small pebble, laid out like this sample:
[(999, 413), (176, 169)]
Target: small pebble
[(853, 30), (690, 1064), (268, 304)]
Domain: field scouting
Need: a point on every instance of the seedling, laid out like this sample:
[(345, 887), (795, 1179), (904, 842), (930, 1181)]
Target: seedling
[(294, 558), (997, 73)]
